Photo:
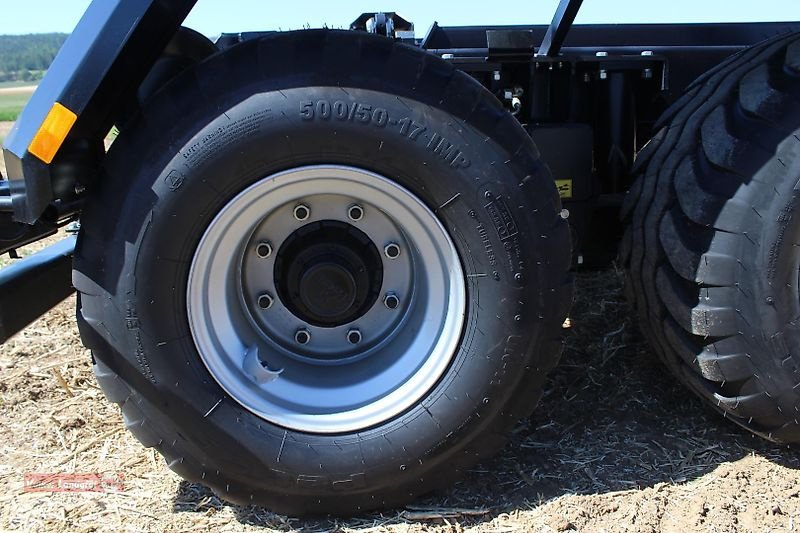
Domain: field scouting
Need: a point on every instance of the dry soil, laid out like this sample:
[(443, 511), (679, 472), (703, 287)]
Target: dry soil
[(616, 445)]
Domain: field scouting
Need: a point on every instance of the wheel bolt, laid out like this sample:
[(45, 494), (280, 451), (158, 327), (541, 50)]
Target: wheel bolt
[(302, 336), (264, 250), (265, 301), (391, 301), (354, 336), (355, 212), (392, 250), (302, 212)]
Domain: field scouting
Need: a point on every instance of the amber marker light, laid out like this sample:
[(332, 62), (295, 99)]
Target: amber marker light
[(52, 133)]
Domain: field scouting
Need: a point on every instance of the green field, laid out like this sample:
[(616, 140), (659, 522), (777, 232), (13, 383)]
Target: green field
[(11, 102), (4, 84)]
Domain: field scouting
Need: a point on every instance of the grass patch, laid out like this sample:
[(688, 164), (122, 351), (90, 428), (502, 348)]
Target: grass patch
[(9, 115), (11, 105), (14, 84), (12, 100)]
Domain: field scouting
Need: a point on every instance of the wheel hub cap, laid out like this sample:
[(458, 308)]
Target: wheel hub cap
[(326, 299), (328, 273)]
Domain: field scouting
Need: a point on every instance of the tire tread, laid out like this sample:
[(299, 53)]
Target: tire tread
[(690, 223)]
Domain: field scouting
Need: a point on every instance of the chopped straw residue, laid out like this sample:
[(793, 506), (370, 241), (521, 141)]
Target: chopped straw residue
[(615, 445)]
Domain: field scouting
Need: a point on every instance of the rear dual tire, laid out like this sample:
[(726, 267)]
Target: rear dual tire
[(335, 106), (711, 246)]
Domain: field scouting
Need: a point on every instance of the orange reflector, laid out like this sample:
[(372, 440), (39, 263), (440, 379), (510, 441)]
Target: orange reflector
[(52, 133)]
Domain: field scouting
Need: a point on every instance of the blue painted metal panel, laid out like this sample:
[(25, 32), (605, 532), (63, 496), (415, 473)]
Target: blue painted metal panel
[(115, 42)]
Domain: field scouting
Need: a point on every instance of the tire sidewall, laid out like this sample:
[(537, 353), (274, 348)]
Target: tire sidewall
[(493, 222), (772, 303)]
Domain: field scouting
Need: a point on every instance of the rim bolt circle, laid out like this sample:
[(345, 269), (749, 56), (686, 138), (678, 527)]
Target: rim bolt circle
[(265, 301), (391, 301), (264, 250), (392, 250), (301, 212), (354, 336), (302, 336), (355, 212)]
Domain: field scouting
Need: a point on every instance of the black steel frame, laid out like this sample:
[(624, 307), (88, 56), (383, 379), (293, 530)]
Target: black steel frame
[(599, 87), (559, 28)]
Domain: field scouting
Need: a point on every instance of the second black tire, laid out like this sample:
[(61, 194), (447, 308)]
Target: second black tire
[(712, 246)]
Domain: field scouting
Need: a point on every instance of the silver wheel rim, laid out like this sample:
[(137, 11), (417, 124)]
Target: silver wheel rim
[(331, 378)]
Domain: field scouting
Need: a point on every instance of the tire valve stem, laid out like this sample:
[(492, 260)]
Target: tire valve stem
[(257, 368), (302, 336)]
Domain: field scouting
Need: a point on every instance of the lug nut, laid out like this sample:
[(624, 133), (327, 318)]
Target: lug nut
[(302, 336), (355, 212), (302, 212), (265, 301), (264, 250), (354, 336), (392, 250), (391, 301)]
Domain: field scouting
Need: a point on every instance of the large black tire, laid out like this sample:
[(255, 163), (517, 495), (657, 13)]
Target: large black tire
[(176, 166), (711, 246)]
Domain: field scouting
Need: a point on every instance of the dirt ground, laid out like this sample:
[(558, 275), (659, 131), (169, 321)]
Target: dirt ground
[(18, 89), (615, 445)]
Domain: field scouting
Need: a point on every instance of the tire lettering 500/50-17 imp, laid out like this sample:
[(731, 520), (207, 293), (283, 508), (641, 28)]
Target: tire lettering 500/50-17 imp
[(379, 116)]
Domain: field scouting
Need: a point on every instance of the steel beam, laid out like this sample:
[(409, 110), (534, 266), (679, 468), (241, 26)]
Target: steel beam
[(559, 28), (32, 286)]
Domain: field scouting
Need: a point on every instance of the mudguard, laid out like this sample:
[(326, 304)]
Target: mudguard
[(103, 62)]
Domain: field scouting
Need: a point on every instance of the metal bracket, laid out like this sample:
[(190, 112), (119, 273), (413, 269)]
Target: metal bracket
[(559, 28)]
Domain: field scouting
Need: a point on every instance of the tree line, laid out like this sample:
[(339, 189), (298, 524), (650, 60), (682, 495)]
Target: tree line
[(26, 57)]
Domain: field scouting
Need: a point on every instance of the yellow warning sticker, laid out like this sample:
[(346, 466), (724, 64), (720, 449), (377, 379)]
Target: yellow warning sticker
[(564, 188)]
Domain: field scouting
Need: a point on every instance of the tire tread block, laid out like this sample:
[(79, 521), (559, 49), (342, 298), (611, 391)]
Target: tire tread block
[(693, 227)]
